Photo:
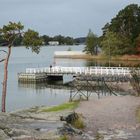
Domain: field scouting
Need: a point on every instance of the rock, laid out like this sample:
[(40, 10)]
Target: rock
[(23, 137), (69, 130), (3, 136), (49, 135), (18, 132), (70, 118)]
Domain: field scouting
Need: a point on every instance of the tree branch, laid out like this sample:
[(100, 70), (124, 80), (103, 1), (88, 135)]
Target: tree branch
[(4, 51), (1, 60)]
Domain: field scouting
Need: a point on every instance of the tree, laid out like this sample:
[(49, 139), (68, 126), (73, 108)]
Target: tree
[(137, 42), (127, 25), (91, 43), (46, 39), (10, 33), (115, 44)]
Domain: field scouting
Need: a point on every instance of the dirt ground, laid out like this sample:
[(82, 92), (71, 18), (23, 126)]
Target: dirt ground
[(111, 118)]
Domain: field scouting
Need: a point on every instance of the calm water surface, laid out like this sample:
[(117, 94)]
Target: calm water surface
[(24, 96), (20, 96)]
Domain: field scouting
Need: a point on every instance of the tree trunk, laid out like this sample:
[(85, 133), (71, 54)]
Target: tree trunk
[(4, 84)]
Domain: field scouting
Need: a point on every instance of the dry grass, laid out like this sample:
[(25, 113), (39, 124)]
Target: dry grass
[(63, 138), (79, 123), (103, 57)]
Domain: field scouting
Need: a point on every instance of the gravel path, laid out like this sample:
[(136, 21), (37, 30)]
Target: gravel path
[(112, 117)]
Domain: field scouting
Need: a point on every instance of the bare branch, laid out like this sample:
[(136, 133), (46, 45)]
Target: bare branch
[(2, 60), (4, 51)]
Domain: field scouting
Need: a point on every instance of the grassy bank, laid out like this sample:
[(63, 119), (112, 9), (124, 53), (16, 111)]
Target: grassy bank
[(65, 106)]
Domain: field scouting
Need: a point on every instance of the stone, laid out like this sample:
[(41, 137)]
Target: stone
[(3, 136)]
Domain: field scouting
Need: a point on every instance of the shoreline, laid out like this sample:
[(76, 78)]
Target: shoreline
[(82, 55), (104, 117)]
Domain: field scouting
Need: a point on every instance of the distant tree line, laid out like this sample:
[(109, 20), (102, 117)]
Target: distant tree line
[(45, 39), (121, 36)]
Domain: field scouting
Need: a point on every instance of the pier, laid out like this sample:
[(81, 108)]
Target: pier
[(101, 80), (92, 73)]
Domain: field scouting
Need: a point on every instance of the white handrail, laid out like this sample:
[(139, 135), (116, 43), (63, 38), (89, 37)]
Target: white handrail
[(82, 70)]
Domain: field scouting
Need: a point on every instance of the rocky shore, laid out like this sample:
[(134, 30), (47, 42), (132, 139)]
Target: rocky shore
[(32, 124), (29, 125), (108, 118)]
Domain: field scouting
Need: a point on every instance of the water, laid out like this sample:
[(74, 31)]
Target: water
[(24, 96), (20, 96)]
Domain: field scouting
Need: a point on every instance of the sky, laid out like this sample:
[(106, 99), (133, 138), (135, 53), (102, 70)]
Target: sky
[(66, 17)]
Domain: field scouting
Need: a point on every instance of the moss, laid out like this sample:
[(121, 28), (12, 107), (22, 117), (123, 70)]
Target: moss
[(63, 138), (138, 114), (69, 106)]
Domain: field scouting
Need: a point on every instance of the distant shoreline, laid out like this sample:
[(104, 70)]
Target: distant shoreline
[(82, 55)]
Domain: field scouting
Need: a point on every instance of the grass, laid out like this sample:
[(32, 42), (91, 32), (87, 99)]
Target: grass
[(65, 106), (63, 138), (138, 114), (104, 57), (79, 124)]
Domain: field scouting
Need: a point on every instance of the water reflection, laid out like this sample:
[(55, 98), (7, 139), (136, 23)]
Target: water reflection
[(58, 87)]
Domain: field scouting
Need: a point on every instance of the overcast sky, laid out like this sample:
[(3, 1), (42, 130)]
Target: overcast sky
[(66, 17)]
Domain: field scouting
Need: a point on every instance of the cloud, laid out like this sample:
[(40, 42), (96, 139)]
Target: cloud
[(66, 17)]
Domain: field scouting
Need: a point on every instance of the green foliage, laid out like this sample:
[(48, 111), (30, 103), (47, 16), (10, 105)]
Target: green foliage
[(115, 44), (126, 25), (10, 32), (46, 39), (63, 137), (91, 43), (69, 105), (18, 41), (138, 114), (137, 43), (61, 39), (64, 40), (32, 40)]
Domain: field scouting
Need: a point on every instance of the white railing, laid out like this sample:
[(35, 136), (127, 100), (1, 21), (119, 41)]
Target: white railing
[(82, 70)]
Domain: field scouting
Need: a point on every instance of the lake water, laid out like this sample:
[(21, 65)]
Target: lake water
[(20, 96)]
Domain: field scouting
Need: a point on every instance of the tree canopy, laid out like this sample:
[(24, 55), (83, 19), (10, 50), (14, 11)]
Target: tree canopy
[(126, 27), (91, 43), (12, 32)]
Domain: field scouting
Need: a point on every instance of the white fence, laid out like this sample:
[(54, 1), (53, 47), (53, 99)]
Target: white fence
[(82, 70)]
